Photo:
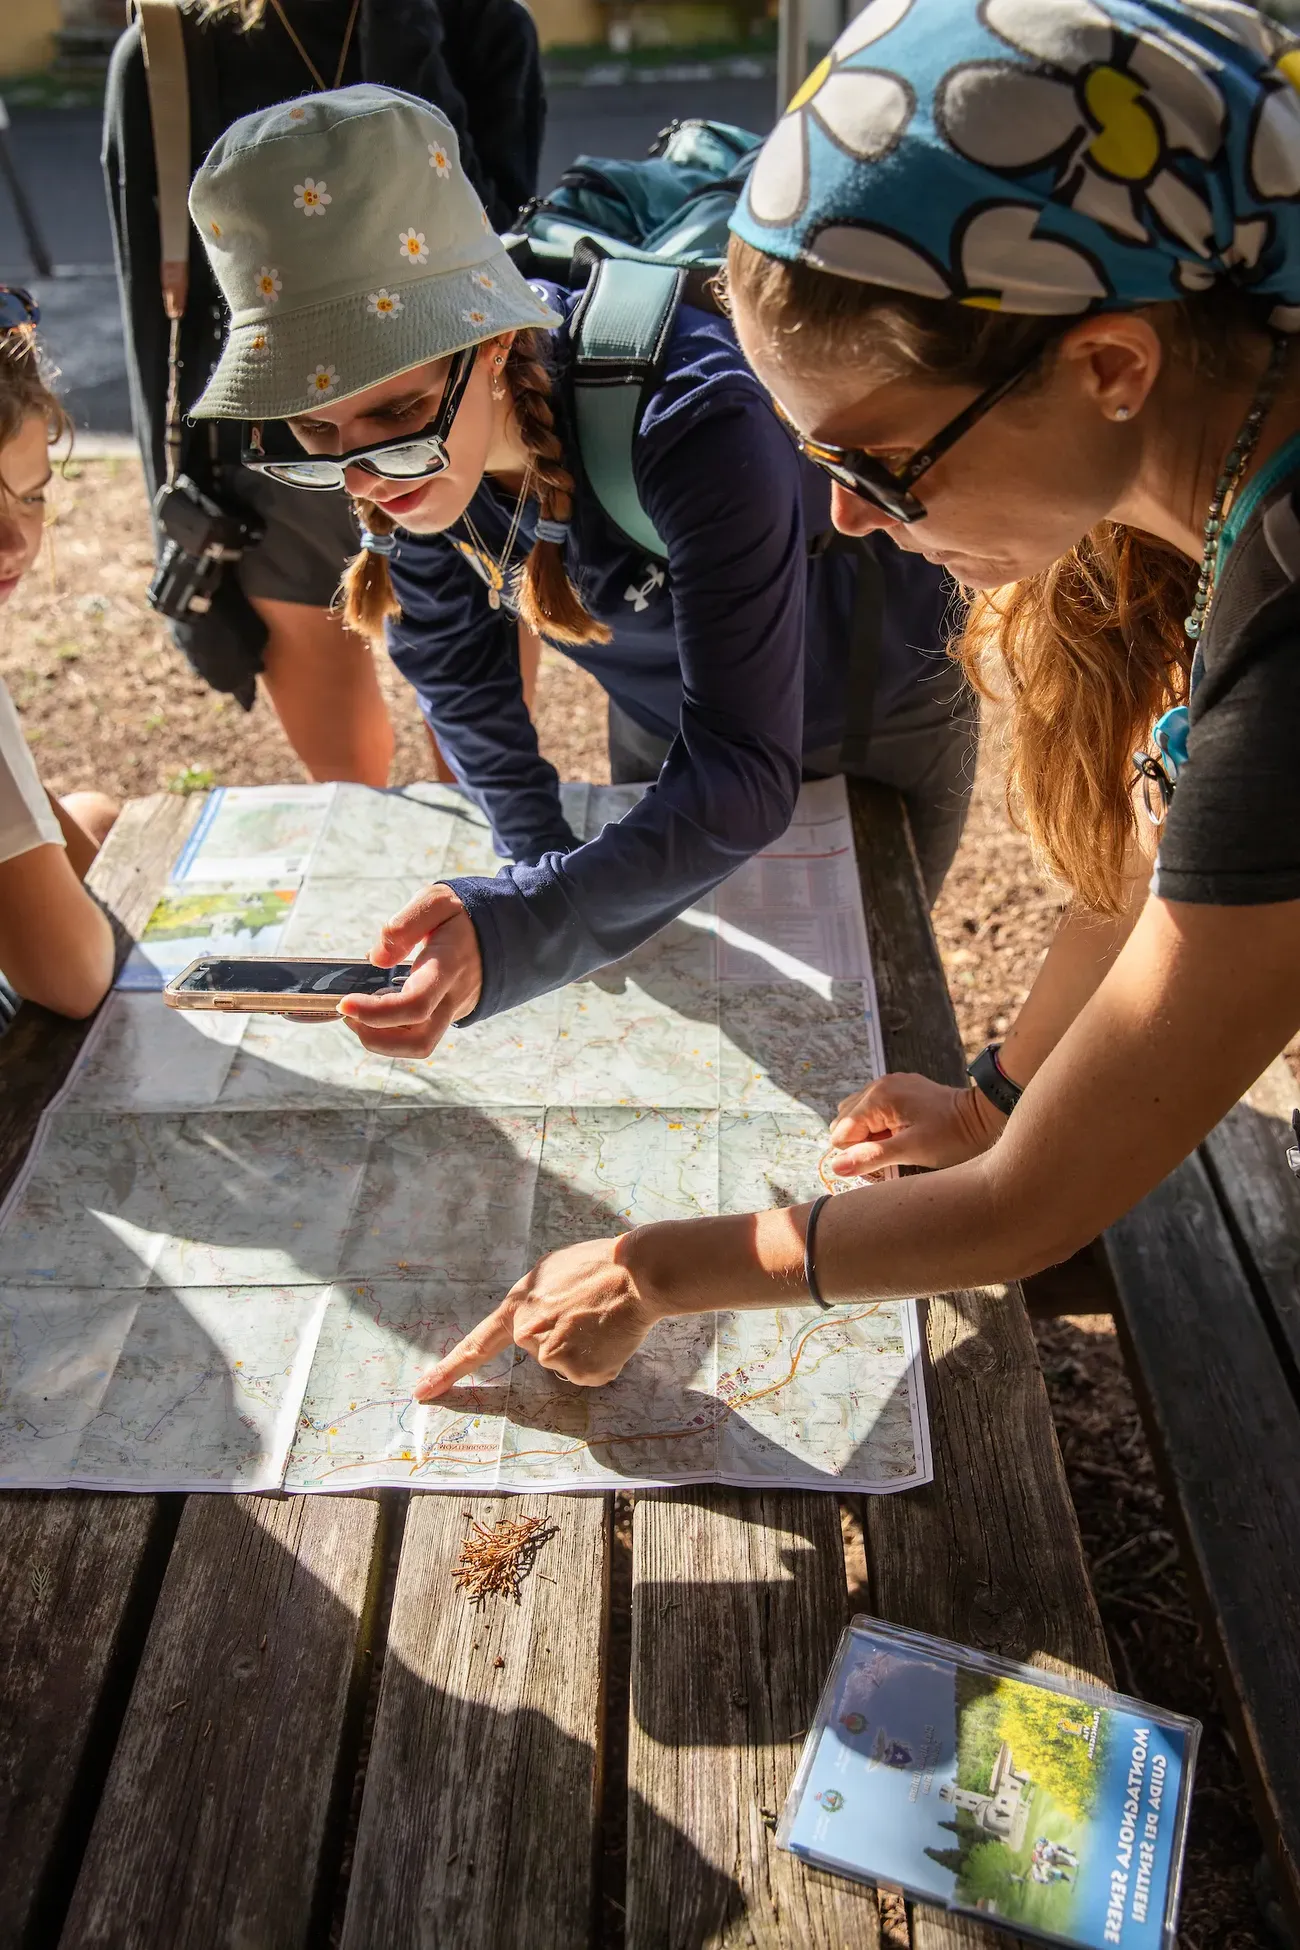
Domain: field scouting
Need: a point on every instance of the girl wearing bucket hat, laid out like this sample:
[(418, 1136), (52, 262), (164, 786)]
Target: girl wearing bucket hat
[(270, 615), (1021, 274), (373, 308)]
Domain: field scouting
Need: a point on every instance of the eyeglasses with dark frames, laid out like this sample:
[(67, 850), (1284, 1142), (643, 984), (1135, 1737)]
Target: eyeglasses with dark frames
[(18, 308), (890, 488), (406, 457)]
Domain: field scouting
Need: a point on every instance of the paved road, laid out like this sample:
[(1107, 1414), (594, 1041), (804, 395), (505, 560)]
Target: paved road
[(57, 152)]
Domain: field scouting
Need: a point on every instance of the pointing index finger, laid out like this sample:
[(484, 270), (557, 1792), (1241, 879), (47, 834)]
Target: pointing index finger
[(478, 1346)]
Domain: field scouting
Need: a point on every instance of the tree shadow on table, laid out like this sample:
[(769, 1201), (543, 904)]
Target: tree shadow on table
[(779, 1039), (295, 1766)]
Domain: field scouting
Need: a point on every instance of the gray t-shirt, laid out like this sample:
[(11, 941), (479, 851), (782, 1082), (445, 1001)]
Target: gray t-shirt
[(1232, 838)]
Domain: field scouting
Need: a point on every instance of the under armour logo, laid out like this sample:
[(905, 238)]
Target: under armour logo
[(639, 593)]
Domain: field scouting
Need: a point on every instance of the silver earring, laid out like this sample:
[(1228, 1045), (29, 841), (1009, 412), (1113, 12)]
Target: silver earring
[(498, 390), (1122, 412)]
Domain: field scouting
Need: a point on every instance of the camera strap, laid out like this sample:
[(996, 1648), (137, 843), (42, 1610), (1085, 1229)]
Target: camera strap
[(162, 38)]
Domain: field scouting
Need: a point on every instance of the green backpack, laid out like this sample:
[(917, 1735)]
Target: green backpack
[(642, 237)]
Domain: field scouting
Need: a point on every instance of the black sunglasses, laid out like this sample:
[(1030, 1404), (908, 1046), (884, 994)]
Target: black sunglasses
[(889, 488), (17, 308), (406, 457)]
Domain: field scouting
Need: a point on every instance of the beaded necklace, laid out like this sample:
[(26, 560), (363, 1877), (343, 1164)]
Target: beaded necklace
[(1158, 770), (1225, 490)]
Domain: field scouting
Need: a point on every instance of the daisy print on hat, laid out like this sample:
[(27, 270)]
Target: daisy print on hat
[(412, 246), (483, 281), (311, 197), (439, 161), (863, 111), (322, 382), (1110, 111), (474, 317), (384, 303), (269, 285)]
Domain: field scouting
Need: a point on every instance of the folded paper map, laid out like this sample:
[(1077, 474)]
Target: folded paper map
[(238, 1241)]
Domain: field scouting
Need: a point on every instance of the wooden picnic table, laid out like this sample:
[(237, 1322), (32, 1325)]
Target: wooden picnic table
[(268, 1721), (1207, 1275)]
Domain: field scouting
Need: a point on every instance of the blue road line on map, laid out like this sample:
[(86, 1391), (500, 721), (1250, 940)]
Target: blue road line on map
[(200, 833)]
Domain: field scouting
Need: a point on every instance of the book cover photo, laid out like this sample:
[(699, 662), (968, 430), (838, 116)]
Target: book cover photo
[(1051, 1808)]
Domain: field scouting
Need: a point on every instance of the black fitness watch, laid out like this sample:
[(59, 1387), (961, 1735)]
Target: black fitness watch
[(988, 1075)]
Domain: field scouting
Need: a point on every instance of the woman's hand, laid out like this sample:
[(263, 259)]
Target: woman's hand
[(444, 984), (908, 1120), (579, 1312)]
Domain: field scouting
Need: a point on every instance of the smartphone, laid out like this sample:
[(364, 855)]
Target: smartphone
[(277, 984)]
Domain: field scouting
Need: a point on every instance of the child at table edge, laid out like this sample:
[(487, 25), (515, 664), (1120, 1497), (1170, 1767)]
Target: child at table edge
[(56, 944)]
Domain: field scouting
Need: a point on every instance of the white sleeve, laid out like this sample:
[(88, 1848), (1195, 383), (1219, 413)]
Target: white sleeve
[(26, 816)]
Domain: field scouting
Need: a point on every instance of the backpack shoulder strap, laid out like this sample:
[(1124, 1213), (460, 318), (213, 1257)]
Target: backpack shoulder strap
[(620, 335), (163, 40)]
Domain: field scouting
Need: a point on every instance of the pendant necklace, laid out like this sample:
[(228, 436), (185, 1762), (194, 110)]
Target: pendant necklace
[(308, 63), (1159, 770), (494, 567)]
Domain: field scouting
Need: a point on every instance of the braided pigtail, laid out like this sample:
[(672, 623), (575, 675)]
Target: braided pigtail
[(546, 598), (366, 596)]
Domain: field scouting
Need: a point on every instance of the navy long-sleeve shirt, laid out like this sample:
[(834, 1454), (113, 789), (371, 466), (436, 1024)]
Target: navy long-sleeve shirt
[(736, 650)]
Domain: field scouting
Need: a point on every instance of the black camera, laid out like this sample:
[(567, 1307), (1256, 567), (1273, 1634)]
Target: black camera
[(202, 538)]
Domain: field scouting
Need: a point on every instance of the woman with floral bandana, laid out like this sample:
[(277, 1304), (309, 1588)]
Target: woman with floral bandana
[(1021, 274)]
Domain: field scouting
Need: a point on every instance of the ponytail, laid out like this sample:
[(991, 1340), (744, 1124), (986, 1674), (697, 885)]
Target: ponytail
[(366, 595), (547, 601), (1087, 654)]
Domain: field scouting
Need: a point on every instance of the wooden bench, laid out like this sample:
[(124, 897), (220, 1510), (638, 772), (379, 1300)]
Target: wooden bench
[(264, 1721), (1207, 1271)]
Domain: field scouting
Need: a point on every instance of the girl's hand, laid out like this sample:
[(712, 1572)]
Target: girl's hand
[(579, 1312), (908, 1120), (445, 982)]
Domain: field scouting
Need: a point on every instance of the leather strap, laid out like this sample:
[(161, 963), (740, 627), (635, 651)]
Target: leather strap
[(162, 38)]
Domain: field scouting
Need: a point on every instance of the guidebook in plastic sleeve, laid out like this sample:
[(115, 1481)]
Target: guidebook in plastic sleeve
[(1053, 1807)]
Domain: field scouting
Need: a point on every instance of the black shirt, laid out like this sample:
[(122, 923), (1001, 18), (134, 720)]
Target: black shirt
[(476, 60), (1232, 838)]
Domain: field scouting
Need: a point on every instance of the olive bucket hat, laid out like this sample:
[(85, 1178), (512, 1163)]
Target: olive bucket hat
[(349, 246)]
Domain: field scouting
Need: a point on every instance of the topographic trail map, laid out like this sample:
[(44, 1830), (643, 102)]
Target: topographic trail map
[(238, 1241)]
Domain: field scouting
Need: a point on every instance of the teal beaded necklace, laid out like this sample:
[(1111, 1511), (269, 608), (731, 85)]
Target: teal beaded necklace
[(1230, 479), (1158, 770)]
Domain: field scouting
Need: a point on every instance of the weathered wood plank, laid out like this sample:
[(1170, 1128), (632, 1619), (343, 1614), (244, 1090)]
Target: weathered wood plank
[(738, 1600), (989, 1553), (1247, 1156), (216, 1822), (1225, 1428), (40, 1048), (80, 1570), (478, 1822), (79, 1576)]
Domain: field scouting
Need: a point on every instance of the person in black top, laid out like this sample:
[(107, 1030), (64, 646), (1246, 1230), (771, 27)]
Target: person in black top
[(1033, 308), (478, 61)]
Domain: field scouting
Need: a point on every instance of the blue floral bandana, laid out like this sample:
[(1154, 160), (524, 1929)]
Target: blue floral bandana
[(1043, 156)]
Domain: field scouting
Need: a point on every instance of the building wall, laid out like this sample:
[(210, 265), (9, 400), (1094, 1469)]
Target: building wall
[(27, 30), (643, 23), (568, 23)]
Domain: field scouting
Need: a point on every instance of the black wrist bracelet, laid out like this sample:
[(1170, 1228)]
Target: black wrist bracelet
[(987, 1074), (809, 1269)]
